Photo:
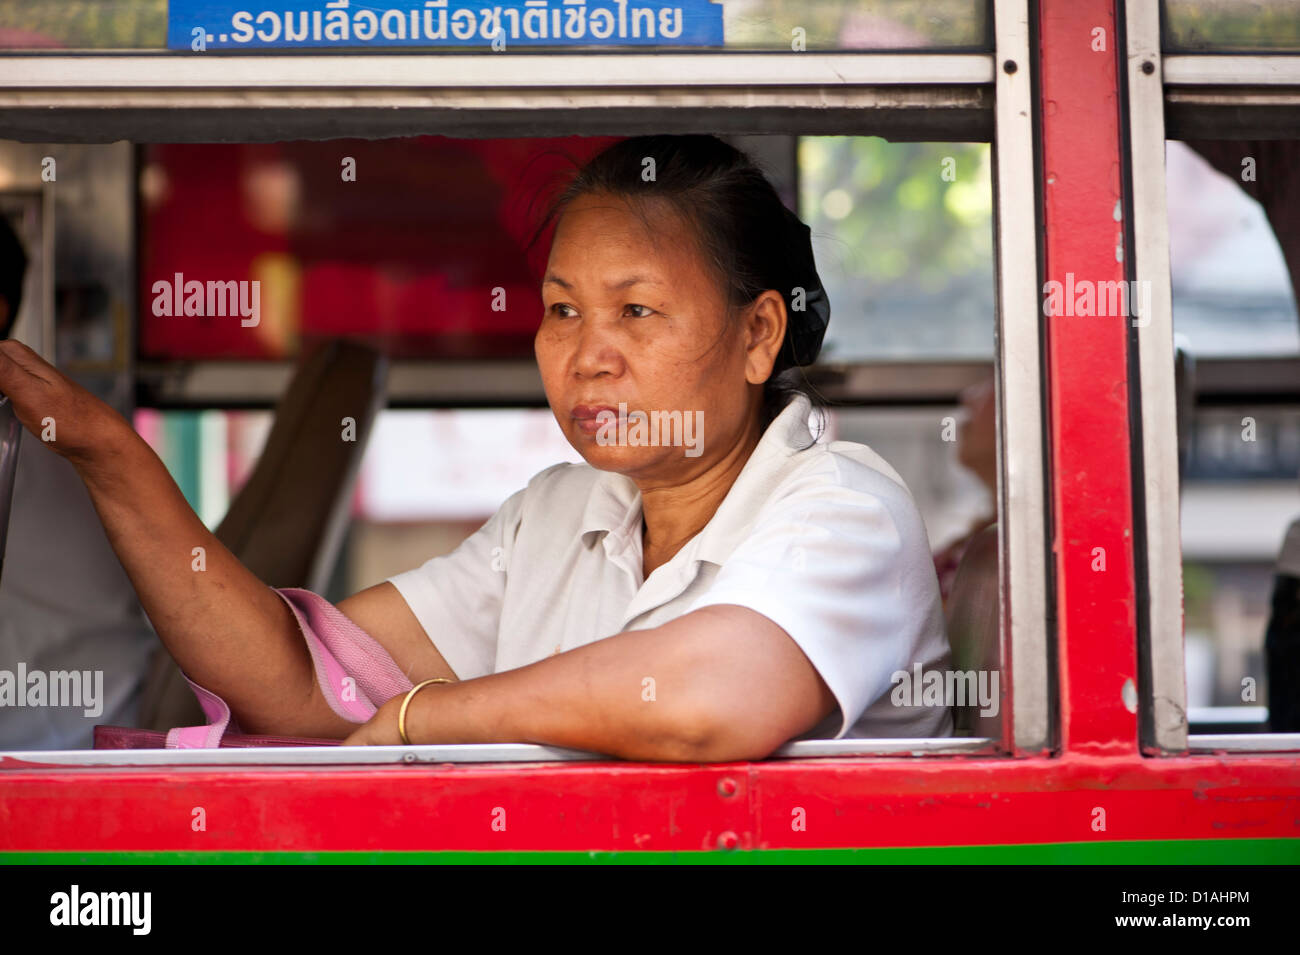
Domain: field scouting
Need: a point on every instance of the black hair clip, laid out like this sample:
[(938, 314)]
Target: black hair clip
[(806, 327)]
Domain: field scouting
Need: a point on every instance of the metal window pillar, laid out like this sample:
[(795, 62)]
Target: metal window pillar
[(1084, 211)]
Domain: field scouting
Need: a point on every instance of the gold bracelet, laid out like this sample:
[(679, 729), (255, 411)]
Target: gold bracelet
[(401, 715)]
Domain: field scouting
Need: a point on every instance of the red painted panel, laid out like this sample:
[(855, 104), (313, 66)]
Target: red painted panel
[(1088, 378), (807, 804)]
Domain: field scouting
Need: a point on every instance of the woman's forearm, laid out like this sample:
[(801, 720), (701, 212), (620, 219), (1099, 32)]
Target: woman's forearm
[(230, 633), (587, 699), (717, 684)]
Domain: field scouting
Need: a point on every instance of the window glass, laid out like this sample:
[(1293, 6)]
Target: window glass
[(417, 244), (902, 232), (411, 253), (1231, 291), (1230, 26), (83, 24), (1238, 335), (904, 240)]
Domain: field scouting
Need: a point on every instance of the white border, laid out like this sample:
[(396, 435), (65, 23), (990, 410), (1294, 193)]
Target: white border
[(459, 753)]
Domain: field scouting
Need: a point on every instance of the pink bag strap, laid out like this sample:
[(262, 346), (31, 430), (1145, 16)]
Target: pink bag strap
[(355, 673), (203, 737)]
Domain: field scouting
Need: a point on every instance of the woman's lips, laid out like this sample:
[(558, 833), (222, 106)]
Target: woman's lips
[(589, 418)]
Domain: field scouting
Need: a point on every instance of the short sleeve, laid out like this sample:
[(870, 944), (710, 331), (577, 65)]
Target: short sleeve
[(836, 562), (457, 597)]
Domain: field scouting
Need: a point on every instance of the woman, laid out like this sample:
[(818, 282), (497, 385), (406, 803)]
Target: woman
[(977, 452), (696, 592)]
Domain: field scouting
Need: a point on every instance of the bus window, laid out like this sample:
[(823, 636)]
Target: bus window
[(1215, 367), (367, 269), (1235, 317), (902, 232)]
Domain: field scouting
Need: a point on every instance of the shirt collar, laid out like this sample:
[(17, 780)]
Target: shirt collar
[(785, 437), (614, 505)]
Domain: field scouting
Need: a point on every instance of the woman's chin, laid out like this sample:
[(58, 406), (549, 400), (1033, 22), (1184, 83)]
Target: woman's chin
[(623, 459), (608, 458)]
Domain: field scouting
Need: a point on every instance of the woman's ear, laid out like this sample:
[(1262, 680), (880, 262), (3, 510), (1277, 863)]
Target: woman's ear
[(765, 320)]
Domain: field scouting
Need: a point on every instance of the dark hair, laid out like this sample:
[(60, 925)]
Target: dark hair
[(752, 240), (13, 265)]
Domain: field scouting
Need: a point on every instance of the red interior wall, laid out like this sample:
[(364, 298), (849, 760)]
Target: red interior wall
[(407, 254)]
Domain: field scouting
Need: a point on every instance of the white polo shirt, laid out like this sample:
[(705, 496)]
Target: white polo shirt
[(823, 539)]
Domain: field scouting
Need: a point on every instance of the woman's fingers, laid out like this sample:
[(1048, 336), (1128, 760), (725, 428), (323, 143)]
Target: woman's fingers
[(17, 380), (23, 358), (7, 367), (19, 368), (49, 404), (6, 362)]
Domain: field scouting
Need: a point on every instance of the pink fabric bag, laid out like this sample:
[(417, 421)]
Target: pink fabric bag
[(354, 672)]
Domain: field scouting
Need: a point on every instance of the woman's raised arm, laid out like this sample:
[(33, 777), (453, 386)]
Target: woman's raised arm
[(229, 632)]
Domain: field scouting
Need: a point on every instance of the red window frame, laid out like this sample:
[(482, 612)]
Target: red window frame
[(862, 802)]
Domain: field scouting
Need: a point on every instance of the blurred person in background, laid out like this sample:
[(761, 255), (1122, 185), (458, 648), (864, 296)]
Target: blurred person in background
[(977, 450), (65, 602)]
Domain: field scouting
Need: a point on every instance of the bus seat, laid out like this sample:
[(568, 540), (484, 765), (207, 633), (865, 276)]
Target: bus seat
[(973, 627), (287, 523)]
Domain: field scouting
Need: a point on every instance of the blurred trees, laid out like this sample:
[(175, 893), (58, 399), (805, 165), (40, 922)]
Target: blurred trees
[(904, 239), (84, 24), (1230, 25)]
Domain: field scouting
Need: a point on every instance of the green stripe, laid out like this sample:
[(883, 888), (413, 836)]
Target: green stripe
[(1160, 852), (181, 447)]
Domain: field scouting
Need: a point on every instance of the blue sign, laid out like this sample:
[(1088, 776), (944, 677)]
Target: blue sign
[(199, 25)]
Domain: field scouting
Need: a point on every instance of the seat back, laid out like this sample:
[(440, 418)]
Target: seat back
[(287, 522), (974, 632)]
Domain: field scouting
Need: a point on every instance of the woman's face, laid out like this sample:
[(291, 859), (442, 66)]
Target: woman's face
[(642, 369)]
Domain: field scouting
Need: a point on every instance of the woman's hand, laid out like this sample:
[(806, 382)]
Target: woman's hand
[(381, 729), (66, 417)]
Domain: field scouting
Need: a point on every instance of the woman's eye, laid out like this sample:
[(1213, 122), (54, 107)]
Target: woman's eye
[(560, 310)]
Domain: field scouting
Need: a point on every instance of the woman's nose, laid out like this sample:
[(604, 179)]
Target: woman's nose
[(596, 351)]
